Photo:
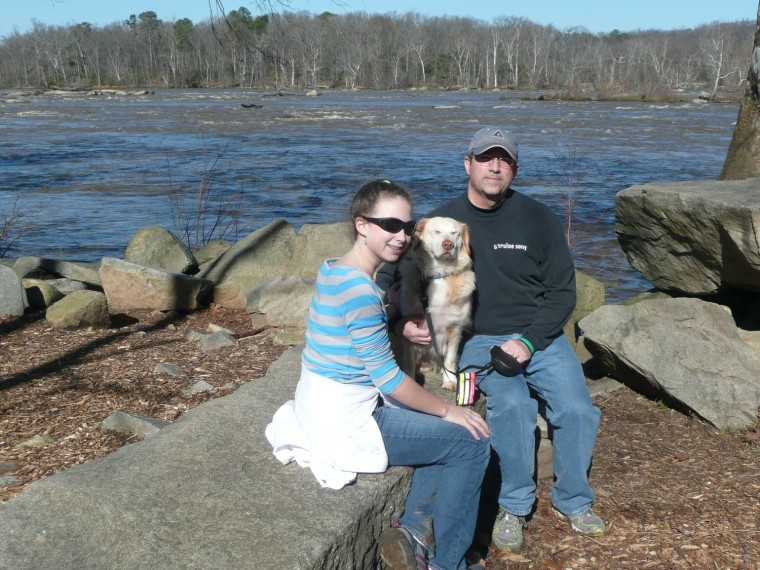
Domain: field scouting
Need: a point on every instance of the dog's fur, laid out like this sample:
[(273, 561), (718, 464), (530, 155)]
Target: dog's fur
[(439, 266)]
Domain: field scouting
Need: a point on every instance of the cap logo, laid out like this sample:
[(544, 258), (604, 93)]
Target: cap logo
[(498, 134)]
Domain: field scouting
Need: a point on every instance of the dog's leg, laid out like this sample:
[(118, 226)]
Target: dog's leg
[(448, 353)]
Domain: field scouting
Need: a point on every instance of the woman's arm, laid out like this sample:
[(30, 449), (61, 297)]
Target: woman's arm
[(416, 397)]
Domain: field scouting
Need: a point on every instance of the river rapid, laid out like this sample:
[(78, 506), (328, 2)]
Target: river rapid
[(87, 171)]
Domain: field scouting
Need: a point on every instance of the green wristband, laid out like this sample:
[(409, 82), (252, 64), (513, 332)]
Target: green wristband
[(527, 343)]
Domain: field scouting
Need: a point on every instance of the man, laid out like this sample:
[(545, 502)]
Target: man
[(525, 295)]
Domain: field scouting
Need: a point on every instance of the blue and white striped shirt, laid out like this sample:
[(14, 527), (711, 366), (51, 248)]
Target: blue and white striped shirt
[(347, 331)]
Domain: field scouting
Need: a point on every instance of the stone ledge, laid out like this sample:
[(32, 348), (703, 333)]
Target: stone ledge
[(205, 492)]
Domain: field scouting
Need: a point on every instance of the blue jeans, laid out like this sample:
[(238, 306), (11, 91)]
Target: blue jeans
[(450, 464), (555, 375)]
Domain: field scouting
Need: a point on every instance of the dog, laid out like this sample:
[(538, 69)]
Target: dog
[(437, 284)]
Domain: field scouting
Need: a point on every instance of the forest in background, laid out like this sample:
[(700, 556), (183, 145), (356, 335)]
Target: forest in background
[(287, 50)]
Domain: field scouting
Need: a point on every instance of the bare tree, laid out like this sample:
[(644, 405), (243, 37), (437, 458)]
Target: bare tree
[(743, 158), (716, 57)]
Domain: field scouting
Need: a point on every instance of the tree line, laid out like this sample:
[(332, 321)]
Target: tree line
[(300, 50)]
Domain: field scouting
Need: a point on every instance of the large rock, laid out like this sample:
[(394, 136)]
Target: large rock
[(590, 294), (66, 285), (694, 237), (214, 249), (80, 309), (41, 293), (78, 271), (688, 349), (284, 300), (131, 286), (273, 251), (157, 247), (12, 298), (324, 241)]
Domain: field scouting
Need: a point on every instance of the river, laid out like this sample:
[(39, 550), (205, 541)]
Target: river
[(87, 171)]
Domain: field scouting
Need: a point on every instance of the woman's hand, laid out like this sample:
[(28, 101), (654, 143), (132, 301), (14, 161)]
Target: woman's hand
[(468, 419), (416, 397)]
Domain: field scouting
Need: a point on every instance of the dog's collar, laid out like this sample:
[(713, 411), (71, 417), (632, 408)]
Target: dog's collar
[(439, 275)]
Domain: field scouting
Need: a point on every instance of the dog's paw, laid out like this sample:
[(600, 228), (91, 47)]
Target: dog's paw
[(449, 381)]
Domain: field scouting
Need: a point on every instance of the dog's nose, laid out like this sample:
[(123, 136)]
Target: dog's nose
[(447, 245)]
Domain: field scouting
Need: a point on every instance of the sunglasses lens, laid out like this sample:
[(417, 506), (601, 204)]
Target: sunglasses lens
[(392, 225), (485, 159)]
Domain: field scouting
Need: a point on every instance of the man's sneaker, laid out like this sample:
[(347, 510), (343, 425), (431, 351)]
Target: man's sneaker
[(400, 551), (508, 532), (585, 523)]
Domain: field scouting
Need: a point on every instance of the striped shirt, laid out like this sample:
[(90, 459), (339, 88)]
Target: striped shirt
[(347, 331)]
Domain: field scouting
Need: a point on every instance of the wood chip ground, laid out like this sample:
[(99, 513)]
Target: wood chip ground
[(675, 492)]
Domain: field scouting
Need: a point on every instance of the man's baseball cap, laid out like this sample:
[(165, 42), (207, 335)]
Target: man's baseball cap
[(490, 137)]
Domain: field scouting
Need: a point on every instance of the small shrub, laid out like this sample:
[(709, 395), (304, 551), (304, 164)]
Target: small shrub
[(570, 160), (15, 222), (212, 210)]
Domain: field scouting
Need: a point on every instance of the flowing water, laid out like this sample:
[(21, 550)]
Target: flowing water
[(89, 170)]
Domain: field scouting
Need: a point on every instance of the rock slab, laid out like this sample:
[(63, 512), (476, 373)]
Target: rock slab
[(686, 348), (204, 492), (693, 237), (131, 286), (12, 298)]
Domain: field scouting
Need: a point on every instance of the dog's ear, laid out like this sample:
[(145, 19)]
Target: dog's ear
[(466, 239), (417, 239)]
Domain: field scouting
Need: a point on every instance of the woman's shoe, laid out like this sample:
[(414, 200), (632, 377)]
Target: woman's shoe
[(400, 551)]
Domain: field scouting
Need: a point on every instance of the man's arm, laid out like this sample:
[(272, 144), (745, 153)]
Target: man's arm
[(559, 297), (415, 329), (387, 275)]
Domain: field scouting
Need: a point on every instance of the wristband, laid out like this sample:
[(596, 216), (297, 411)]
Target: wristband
[(527, 343)]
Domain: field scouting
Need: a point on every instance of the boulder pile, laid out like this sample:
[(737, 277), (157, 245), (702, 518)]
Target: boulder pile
[(693, 342)]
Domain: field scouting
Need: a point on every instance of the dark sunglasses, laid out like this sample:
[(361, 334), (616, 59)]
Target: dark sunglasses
[(488, 159), (393, 225)]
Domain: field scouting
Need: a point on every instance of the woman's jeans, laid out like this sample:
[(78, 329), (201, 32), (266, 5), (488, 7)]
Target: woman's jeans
[(555, 376), (450, 464)]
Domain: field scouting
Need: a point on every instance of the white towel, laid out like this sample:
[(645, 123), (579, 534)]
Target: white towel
[(330, 429)]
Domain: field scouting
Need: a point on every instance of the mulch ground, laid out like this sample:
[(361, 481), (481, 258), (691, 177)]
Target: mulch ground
[(675, 492)]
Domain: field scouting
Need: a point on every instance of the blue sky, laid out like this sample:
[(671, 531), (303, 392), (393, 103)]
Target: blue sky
[(594, 15)]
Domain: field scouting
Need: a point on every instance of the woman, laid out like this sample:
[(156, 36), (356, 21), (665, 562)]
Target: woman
[(342, 423)]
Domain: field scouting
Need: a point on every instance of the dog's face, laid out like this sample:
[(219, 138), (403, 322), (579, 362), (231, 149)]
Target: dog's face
[(443, 238)]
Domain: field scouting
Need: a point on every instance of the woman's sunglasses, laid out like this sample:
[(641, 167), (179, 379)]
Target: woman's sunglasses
[(393, 225)]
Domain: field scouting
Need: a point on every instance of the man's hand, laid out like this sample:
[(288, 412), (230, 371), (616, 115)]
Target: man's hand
[(416, 331), (517, 349)]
